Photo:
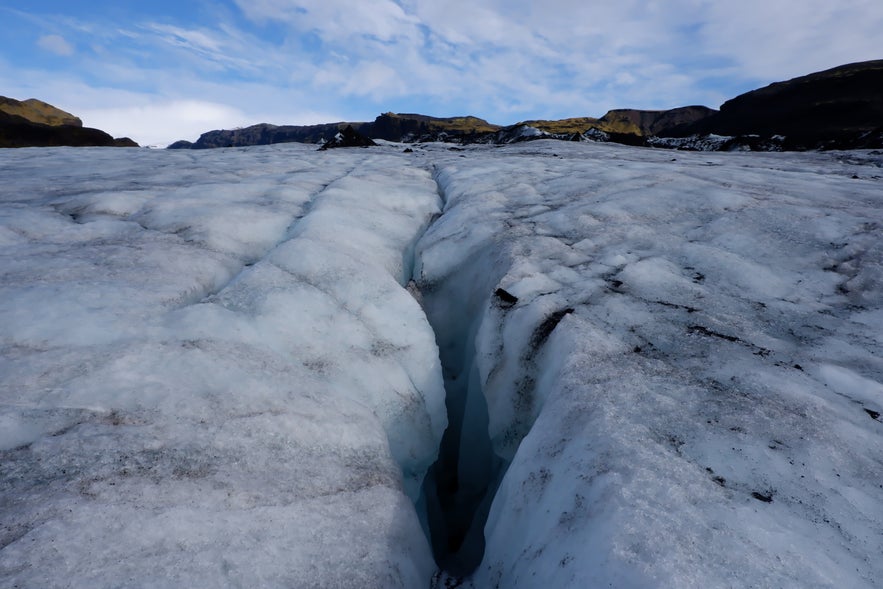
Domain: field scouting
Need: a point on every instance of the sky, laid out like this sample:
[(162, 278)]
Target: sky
[(163, 70)]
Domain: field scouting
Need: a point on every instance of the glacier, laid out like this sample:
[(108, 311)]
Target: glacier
[(542, 364)]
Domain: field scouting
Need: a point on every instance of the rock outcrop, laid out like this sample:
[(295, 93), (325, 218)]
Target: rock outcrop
[(569, 126), (645, 123), (34, 123), (37, 111), (124, 142), (266, 134), (388, 126), (414, 127), (182, 144), (625, 125), (349, 137), (836, 108)]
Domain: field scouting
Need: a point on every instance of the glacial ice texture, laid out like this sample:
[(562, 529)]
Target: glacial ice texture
[(212, 374), (682, 357), (663, 369)]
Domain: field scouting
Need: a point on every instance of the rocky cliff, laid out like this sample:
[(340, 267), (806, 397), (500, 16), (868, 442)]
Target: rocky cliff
[(414, 127), (37, 111), (650, 122), (839, 107), (388, 126), (625, 125), (34, 123), (265, 134)]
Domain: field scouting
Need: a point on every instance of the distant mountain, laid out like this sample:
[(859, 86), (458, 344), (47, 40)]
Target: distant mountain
[(626, 125), (840, 108), (37, 111), (409, 127), (349, 137), (34, 123), (265, 134), (651, 122), (562, 126), (837, 108), (388, 126), (414, 127)]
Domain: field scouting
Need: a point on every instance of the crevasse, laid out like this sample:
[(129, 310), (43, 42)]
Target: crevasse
[(460, 486)]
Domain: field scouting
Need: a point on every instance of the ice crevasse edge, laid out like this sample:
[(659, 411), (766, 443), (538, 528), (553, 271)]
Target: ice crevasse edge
[(682, 382), (203, 383), (686, 358)]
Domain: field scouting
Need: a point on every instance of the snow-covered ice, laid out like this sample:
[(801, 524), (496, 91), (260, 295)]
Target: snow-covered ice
[(688, 386), (211, 372), (663, 369)]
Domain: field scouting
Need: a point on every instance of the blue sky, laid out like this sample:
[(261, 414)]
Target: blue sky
[(162, 70)]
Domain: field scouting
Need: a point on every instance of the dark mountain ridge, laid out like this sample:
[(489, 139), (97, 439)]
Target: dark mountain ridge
[(34, 123), (266, 134), (37, 111), (388, 126), (837, 108), (412, 127), (651, 122)]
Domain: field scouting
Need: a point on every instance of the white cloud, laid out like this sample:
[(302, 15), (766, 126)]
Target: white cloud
[(55, 44), (786, 38), (175, 108), (514, 57), (160, 123), (335, 20), (504, 60)]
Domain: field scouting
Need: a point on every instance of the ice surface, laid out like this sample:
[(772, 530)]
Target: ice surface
[(212, 374), (689, 384)]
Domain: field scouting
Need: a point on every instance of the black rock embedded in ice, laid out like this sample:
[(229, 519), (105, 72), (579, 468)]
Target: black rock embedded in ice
[(506, 298), (349, 137), (545, 329), (766, 498)]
